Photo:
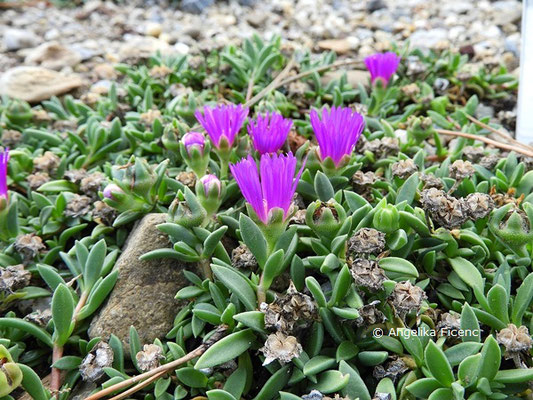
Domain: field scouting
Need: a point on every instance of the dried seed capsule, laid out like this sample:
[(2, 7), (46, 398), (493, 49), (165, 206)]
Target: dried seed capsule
[(13, 278), (29, 246), (403, 169), (448, 322), (479, 205), (281, 347), (91, 184), (187, 178), (489, 161), (431, 181), (473, 153), (369, 315), (383, 147), (78, 206), (48, 162), (36, 180), (148, 118), (445, 210), (515, 339), (366, 241), (368, 273), (40, 317), (10, 138), (149, 357), (75, 175), (394, 370), (362, 183), (407, 298), (242, 258), (460, 170), (289, 312), (92, 366), (103, 214)]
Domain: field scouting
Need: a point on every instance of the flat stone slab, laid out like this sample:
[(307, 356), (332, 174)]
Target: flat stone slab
[(35, 84), (143, 296)]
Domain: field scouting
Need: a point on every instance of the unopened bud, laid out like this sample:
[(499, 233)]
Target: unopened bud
[(110, 190)]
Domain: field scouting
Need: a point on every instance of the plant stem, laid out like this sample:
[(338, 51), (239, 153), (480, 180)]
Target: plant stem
[(219, 334), (492, 142), (57, 352), (205, 264), (83, 299), (223, 169), (261, 294), (55, 379)]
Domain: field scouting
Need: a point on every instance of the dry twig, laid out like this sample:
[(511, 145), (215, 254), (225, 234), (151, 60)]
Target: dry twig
[(150, 376), (499, 133), (492, 142)]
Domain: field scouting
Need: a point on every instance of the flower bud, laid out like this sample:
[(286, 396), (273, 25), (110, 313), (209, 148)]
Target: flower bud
[(110, 190), (325, 219), (195, 152), (211, 182), (210, 191), (10, 373), (387, 219), (193, 139)]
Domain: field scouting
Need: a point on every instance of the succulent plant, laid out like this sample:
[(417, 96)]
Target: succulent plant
[(344, 249)]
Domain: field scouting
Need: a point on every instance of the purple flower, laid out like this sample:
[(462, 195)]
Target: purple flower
[(269, 132), (209, 181), (272, 187), (110, 189), (337, 132), (4, 158), (223, 121), (382, 66), (193, 139)]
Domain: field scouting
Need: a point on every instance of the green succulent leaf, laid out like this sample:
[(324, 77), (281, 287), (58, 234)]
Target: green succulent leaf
[(226, 349)]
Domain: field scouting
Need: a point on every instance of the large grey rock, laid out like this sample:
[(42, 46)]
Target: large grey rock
[(34, 84), (144, 293)]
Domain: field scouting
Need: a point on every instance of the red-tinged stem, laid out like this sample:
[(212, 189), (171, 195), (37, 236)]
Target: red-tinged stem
[(55, 379)]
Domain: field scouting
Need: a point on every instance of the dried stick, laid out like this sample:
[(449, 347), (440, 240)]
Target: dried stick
[(278, 82), (139, 386), (499, 133), (492, 142), (318, 69), (163, 369), (271, 86), (250, 90)]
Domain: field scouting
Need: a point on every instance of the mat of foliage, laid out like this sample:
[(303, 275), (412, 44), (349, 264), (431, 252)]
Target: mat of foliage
[(400, 268)]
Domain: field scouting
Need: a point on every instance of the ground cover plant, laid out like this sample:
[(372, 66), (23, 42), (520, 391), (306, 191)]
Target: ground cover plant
[(337, 243)]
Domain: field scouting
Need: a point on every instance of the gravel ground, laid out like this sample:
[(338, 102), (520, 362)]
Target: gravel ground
[(89, 39)]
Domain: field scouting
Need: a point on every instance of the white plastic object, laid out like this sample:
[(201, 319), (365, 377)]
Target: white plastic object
[(524, 125)]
